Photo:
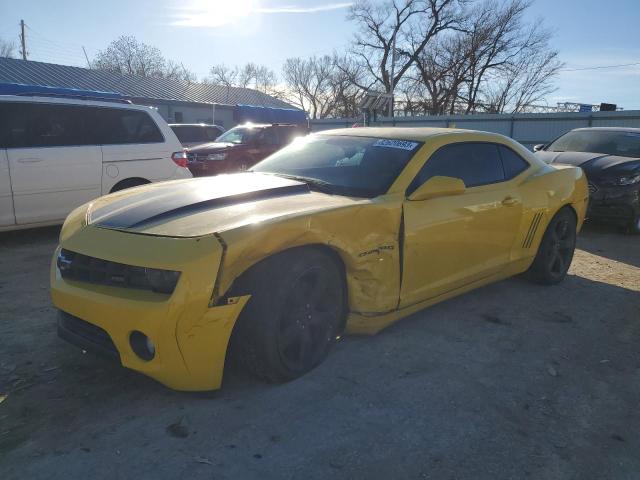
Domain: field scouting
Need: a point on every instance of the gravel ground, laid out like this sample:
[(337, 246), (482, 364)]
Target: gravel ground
[(510, 381)]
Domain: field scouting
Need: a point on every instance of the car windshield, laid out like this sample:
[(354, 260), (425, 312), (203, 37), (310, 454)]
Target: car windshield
[(343, 165), (624, 144), (239, 135)]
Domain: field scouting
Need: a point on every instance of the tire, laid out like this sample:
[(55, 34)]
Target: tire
[(296, 310), (556, 250), (128, 183)]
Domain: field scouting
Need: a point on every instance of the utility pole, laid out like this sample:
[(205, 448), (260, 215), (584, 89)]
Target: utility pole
[(86, 57), (23, 41), (393, 72)]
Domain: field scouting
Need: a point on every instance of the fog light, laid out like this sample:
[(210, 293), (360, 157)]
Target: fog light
[(142, 345)]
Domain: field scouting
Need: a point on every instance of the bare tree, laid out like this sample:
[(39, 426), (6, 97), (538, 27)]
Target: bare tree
[(309, 85), (525, 81), (177, 71), (251, 75), (410, 24), (345, 78), (492, 62), (7, 49), (127, 55)]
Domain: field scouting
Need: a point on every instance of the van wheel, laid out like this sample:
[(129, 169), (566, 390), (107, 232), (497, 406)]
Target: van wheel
[(129, 183), (556, 250), (296, 310)]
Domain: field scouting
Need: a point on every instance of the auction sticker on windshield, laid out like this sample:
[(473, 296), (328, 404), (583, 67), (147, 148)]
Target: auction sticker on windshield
[(401, 144)]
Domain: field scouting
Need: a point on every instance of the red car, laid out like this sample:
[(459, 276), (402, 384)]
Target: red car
[(241, 147)]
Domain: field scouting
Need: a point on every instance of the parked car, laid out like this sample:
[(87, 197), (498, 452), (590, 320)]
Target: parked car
[(351, 228), (241, 147), (610, 157), (192, 134), (59, 153)]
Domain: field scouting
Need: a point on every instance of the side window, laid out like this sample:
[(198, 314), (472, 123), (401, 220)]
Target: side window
[(269, 137), (474, 163), (6, 116), (121, 126), (287, 135), (44, 125), (513, 163), (212, 133)]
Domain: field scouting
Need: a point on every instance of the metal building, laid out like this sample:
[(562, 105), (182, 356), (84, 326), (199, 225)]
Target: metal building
[(176, 101)]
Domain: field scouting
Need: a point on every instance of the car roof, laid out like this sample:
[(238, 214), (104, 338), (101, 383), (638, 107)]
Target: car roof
[(609, 129), (193, 125), (73, 101), (417, 134)]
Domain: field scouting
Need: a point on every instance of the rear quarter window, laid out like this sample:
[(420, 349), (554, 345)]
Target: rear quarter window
[(513, 163), (120, 126)]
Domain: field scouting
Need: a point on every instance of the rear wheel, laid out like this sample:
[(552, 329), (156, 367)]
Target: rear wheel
[(556, 249), (296, 310)]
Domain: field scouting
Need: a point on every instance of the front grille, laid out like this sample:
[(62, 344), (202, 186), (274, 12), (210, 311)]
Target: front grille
[(195, 157), (82, 268), (592, 188), (85, 335)]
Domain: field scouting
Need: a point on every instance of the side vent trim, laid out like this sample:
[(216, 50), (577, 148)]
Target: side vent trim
[(532, 230)]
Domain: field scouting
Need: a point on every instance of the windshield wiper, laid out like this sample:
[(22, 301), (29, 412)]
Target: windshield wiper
[(313, 183)]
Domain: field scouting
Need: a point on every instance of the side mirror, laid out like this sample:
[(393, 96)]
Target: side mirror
[(537, 148), (438, 187)]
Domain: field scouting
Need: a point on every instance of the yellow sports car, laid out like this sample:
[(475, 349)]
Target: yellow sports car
[(346, 229)]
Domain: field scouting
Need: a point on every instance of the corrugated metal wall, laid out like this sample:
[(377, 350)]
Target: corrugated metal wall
[(528, 128)]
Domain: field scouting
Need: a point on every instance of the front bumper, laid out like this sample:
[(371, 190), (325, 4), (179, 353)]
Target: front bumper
[(614, 204), (189, 335)]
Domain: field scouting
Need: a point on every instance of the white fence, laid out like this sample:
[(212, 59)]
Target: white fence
[(527, 128)]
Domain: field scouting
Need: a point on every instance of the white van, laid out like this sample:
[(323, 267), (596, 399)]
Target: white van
[(58, 153)]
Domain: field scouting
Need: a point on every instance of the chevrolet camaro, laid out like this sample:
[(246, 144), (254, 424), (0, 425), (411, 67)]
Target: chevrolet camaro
[(341, 231)]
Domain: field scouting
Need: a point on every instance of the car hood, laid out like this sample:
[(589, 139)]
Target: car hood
[(202, 206), (593, 164), (213, 147)]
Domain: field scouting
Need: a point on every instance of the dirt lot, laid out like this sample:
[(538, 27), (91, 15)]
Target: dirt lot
[(511, 381)]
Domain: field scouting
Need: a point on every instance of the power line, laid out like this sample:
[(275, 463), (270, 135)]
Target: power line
[(599, 67)]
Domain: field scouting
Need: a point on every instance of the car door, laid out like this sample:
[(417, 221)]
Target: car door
[(53, 162), (269, 142), (132, 146), (452, 241), (7, 216)]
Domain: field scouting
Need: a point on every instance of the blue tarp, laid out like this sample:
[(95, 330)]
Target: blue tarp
[(21, 89), (249, 113)]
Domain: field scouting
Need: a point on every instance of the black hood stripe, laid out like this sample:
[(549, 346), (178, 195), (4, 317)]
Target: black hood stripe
[(150, 207)]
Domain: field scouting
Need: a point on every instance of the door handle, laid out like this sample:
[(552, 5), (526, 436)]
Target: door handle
[(509, 201), (29, 160)]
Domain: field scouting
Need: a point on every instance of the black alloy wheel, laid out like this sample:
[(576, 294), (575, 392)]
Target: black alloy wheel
[(555, 253), (308, 323)]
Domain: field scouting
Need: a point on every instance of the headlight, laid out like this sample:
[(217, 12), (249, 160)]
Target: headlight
[(628, 180), (216, 156), (162, 281)]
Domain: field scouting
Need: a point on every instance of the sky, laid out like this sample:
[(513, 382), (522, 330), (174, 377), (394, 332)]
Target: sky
[(202, 33)]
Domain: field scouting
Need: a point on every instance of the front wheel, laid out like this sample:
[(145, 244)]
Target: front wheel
[(296, 310), (556, 250)]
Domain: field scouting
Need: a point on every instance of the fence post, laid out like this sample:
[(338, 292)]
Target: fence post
[(513, 119)]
